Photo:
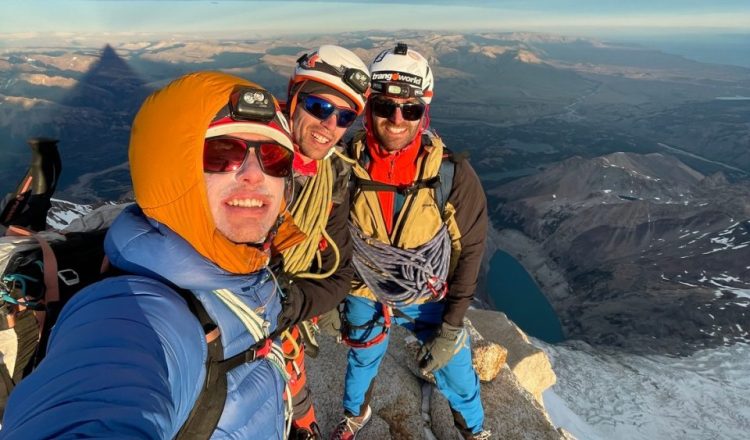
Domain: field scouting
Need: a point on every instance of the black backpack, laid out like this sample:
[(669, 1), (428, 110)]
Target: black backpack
[(29, 203)]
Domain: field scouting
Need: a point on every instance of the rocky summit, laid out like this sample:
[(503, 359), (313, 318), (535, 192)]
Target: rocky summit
[(406, 407), (652, 254)]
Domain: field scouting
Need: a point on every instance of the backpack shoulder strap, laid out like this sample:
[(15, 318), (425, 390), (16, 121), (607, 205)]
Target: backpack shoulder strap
[(204, 417), (208, 407), (355, 144), (447, 167), (446, 173)]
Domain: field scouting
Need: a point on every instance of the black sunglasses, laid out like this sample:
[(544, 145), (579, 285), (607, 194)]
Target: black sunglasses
[(384, 108), (323, 109), (224, 154)]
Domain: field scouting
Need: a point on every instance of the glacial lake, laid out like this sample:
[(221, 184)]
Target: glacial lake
[(513, 291)]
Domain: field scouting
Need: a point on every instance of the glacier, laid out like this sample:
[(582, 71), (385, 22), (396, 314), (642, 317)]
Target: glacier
[(611, 395)]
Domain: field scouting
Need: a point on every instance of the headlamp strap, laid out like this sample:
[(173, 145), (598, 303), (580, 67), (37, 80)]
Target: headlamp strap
[(357, 79)]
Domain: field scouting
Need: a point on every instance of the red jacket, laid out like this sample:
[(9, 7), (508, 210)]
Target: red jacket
[(399, 168)]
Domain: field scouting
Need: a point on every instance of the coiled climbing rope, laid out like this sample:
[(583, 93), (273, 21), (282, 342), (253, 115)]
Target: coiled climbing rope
[(310, 213), (399, 277)]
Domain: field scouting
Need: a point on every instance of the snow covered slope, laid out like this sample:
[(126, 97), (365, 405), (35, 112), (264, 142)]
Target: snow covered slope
[(616, 396), (63, 212)]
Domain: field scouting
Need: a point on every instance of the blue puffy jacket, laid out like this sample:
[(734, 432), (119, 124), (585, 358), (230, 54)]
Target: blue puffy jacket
[(126, 358)]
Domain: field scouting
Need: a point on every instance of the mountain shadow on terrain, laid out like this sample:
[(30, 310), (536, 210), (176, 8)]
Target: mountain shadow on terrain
[(93, 125)]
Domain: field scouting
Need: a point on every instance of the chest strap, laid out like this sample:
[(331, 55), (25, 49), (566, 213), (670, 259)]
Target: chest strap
[(371, 185), (204, 417), (259, 330)]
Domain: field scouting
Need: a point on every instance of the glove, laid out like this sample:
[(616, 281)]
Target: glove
[(330, 322), (438, 351)]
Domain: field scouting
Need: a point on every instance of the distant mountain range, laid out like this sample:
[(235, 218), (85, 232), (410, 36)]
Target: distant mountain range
[(516, 101)]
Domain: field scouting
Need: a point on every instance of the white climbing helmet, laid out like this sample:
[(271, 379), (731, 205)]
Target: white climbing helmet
[(335, 67), (402, 73)]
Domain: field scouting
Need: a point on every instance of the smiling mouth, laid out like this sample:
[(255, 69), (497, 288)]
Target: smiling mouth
[(320, 138), (395, 130), (245, 203)]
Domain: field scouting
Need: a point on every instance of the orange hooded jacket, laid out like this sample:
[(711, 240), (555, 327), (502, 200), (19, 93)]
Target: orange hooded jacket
[(166, 164)]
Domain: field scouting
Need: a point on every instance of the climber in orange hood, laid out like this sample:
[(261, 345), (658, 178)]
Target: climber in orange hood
[(181, 345), (165, 160)]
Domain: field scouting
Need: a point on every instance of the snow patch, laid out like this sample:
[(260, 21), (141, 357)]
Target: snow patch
[(602, 396)]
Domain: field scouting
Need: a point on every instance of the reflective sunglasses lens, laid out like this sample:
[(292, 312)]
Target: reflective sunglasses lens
[(323, 109), (221, 155), (383, 108), (319, 107), (412, 112), (275, 159), (346, 118)]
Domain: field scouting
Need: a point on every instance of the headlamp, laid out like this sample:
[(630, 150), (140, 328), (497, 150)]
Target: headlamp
[(252, 104), (357, 80), (395, 90)]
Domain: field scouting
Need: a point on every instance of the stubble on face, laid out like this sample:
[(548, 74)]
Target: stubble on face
[(395, 133), (245, 204), (314, 137)]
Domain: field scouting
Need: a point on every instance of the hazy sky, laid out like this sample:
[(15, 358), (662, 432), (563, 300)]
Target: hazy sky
[(29, 18)]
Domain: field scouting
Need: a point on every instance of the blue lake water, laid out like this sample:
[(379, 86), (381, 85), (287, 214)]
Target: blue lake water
[(513, 292), (726, 48)]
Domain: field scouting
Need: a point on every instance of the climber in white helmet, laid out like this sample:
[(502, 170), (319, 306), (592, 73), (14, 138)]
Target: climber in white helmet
[(326, 94), (418, 221)]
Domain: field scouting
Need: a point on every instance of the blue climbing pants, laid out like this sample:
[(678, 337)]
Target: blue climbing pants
[(457, 380)]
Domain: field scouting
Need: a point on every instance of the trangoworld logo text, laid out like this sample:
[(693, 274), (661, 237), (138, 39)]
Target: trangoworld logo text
[(397, 77)]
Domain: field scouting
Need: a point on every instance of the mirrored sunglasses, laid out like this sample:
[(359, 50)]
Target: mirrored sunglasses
[(323, 109), (384, 108), (224, 154)]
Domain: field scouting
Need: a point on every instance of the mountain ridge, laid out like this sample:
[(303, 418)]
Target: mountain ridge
[(652, 264)]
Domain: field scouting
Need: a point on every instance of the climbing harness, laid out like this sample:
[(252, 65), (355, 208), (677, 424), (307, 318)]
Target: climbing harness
[(387, 313)]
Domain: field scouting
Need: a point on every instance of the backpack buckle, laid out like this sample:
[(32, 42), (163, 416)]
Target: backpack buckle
[(69, 277), (261, 351), (408, 190)]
